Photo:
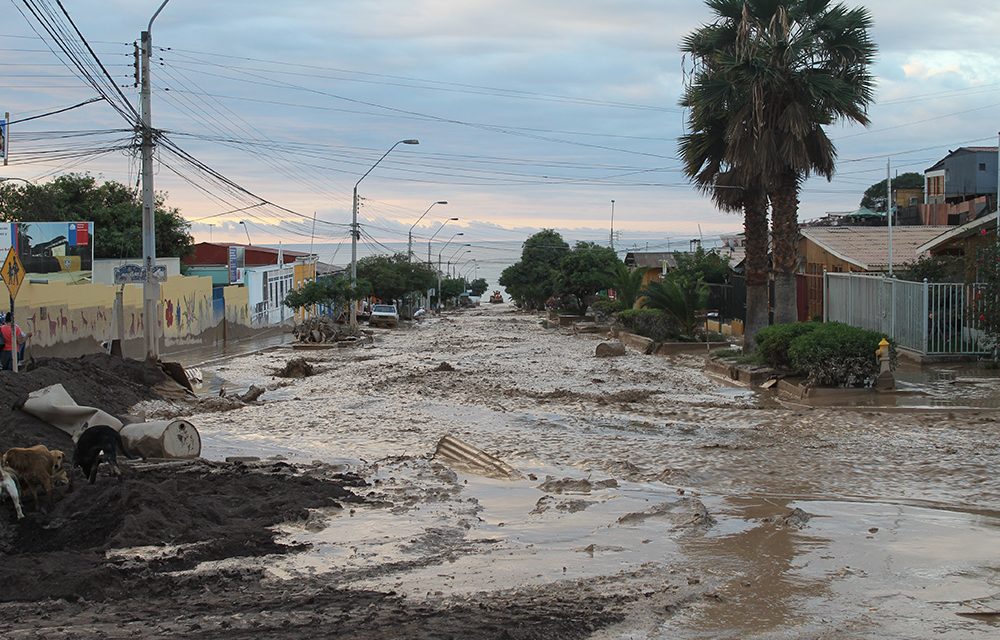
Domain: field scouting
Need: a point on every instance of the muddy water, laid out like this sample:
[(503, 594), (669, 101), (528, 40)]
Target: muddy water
[(689, 483)]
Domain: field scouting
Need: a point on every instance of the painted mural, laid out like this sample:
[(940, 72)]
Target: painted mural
[(60, 313)]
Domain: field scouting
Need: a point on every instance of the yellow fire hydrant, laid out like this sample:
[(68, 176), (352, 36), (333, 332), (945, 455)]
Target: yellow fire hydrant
[(885, 380)]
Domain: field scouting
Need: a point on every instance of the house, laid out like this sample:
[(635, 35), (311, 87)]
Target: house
[(963, 174), (964, 240), (216, 259), (841, 249), (656, 263)]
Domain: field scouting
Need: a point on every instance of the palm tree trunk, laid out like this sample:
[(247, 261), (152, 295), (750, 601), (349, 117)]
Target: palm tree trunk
[(784, 244), (755, 266)]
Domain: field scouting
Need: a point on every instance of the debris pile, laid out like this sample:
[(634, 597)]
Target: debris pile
[(317, 330), (296, 368)]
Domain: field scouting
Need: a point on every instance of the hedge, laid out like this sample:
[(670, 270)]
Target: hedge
[(773, 342), (651, 323), (835, 354)]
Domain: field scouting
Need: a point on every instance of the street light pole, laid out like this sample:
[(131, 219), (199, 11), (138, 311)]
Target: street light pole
[(457, 233), (409, 244), (354, 230), (150, 288), (247, 231), (612, 240)]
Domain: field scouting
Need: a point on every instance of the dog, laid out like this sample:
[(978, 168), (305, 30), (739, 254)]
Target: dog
[(96, 444), (36, 467), (8, 485)]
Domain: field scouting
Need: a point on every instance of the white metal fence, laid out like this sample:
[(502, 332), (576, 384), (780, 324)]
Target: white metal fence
[(929, 318)]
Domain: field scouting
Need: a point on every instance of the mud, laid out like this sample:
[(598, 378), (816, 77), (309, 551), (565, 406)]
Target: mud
[(653, 502)]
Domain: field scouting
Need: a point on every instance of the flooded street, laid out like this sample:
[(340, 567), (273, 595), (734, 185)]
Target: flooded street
[(708, 511)]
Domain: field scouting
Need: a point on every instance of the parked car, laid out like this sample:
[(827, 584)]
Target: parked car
[(384, 315)]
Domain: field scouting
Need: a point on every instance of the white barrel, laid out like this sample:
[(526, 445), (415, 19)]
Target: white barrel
[(162, 439)]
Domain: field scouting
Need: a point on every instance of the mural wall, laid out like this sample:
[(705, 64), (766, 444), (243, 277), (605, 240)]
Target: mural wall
[(60, 314)]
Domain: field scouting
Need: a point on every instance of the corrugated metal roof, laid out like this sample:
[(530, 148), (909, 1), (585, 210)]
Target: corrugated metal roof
[(868, 247)]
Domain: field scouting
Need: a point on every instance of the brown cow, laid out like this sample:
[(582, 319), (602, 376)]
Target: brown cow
[(37, 468)]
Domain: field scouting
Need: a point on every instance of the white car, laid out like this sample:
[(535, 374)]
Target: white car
[(384, 315)]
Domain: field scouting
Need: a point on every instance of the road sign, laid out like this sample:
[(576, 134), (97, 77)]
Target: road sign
[(13, 272)]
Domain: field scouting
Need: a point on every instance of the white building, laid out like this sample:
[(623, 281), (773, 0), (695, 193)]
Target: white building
[(267, 287)]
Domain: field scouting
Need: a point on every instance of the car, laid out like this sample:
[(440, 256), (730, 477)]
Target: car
[(384, 315)]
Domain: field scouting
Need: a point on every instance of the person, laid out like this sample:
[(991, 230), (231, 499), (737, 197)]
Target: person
[(8, 333)]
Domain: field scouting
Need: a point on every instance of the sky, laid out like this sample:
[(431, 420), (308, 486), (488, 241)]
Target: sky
[(529, 114)]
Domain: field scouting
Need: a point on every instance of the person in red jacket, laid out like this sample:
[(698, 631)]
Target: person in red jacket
[(7, 332)]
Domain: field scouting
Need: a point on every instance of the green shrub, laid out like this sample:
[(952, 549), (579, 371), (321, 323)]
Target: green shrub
[(651, 323), (773, 342), (605, 306), (835, 354)]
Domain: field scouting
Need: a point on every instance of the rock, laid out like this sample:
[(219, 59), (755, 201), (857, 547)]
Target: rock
[(611, 349), (444, 366)]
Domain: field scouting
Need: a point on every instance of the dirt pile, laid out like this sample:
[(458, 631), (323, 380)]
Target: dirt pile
[(201, 509), (95, 380), (296, 368)]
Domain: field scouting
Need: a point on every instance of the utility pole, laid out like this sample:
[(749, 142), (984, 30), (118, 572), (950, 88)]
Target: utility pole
[(150, 287), (888, 207), (612, 241)]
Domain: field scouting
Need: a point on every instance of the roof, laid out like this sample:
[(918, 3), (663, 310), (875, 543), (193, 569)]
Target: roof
[(940, 163), (256, 247), (651, 259), (953, 233), (868, 247)]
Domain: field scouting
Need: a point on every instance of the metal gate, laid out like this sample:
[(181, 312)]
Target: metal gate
[(929, 318)]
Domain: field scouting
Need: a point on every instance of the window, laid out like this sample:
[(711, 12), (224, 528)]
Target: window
[(982, 166)]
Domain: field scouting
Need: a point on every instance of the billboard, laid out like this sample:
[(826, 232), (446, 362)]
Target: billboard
[(50, 247), (237, 262)]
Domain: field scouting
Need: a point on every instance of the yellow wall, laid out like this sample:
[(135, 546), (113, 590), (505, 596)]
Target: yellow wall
[(61, 313)]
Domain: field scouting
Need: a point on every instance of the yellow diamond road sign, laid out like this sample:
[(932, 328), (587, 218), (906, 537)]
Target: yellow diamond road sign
[(13, 272)]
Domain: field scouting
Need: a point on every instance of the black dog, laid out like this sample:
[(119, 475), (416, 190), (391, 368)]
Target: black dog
[(95, 444)]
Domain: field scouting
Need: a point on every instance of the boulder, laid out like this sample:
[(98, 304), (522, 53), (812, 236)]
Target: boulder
[(610, 349)]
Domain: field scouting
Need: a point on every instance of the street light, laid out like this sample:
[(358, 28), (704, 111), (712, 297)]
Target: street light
[(429, 263), (456, 234), (452, 259), (409, 245), (245, 228), (354, 229)]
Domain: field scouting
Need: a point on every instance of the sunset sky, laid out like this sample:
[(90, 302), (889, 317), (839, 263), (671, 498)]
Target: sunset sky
[(529, 114)]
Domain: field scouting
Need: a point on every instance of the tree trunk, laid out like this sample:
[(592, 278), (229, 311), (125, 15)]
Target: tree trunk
[(755, 265), (785, 246)]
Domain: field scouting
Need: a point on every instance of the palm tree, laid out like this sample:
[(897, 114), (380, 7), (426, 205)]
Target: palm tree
[(704, 154), (799, 65), (679, 297), (627, 283)]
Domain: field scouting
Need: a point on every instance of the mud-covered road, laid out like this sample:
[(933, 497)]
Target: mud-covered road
[(654, 502)]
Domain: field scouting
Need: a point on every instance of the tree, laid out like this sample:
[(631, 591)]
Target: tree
[(681, 297), (534, 278), (707, 266), (392, 277), (934, 269), (627, 283), (875, 195), (797, 66), (330, 291), (704, 156), (115, 209), (478, 286), (586, 270), (988, 296), (451, 288)]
